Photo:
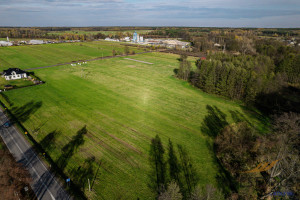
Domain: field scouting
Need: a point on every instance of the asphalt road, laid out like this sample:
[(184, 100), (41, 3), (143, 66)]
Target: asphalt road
[(44, 184)]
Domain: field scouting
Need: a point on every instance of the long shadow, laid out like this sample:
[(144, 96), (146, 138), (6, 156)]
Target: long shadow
[(239, 117), (213, 122), (84, 174), (96, 175), (285, 100), (69, 149), (6, 99), (73, 189), (48, 142), (212, 125), (22, 113)]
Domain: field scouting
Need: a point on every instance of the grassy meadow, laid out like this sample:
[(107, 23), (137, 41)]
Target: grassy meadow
[(31, 56), (101, 116)]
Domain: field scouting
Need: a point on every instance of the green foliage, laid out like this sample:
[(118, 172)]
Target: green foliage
[(184, 67), (126, 50), (123, 104), (286, 59), (237, 77), (114, 53)]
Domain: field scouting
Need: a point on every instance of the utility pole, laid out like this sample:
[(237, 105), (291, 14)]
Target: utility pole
[(89, 184)]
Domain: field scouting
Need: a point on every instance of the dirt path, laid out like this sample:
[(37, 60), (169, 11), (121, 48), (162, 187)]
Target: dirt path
[(139, 61)]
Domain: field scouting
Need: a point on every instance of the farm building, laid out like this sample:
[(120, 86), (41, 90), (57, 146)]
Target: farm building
[(36, 42), (112, 40), (14, 73), (5, 44)]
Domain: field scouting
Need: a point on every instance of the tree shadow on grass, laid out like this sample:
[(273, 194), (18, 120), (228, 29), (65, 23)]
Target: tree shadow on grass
[(84, 174), (54, 168), (213, 122), (69, 149), (48, 142), (212, 125), (239, 117), (22, 113)]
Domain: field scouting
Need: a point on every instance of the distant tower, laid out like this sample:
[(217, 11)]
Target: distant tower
[(135, 37), (7, 39)]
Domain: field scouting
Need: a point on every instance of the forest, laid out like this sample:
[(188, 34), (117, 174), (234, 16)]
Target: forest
[(264, 74)]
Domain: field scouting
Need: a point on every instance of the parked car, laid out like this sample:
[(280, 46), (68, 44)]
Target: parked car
[(7, 124)]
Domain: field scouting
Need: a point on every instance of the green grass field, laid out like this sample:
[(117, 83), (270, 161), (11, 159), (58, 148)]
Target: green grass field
[(122, 104), (30, 56), (15, 83)]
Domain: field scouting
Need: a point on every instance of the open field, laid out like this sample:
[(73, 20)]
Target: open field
[(104, 114), (31, 56)]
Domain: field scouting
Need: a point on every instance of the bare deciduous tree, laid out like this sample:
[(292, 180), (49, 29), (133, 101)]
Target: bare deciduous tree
[(172, 193)]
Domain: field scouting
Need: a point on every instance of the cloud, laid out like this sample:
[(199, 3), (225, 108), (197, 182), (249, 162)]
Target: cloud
[(149, 12)]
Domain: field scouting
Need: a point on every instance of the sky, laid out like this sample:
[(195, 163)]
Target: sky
[(195, 13)]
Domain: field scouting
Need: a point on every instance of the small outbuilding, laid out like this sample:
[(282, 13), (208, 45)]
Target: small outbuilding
[(14, 73), (5, 44), (36, 42)]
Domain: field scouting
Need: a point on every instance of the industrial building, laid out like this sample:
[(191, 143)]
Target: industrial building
[(137, 38)]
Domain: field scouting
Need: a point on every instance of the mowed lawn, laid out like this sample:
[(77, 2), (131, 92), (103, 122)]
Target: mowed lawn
[(122, 104), (30, 56)]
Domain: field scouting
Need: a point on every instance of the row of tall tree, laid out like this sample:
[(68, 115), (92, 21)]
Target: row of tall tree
[(237, 77)]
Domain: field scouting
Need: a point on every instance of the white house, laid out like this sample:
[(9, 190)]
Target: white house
[(14, 73)]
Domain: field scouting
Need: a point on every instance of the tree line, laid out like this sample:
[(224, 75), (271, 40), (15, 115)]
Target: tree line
[(240, 77), (237, 77)]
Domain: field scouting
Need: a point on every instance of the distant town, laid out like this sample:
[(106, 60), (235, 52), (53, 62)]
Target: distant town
[(136, 39)]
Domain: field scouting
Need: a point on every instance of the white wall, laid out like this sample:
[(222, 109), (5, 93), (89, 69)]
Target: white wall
[(17, 76)]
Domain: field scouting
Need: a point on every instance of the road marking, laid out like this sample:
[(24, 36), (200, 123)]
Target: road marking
[(3, 116), (52, 197), (26, 144)]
